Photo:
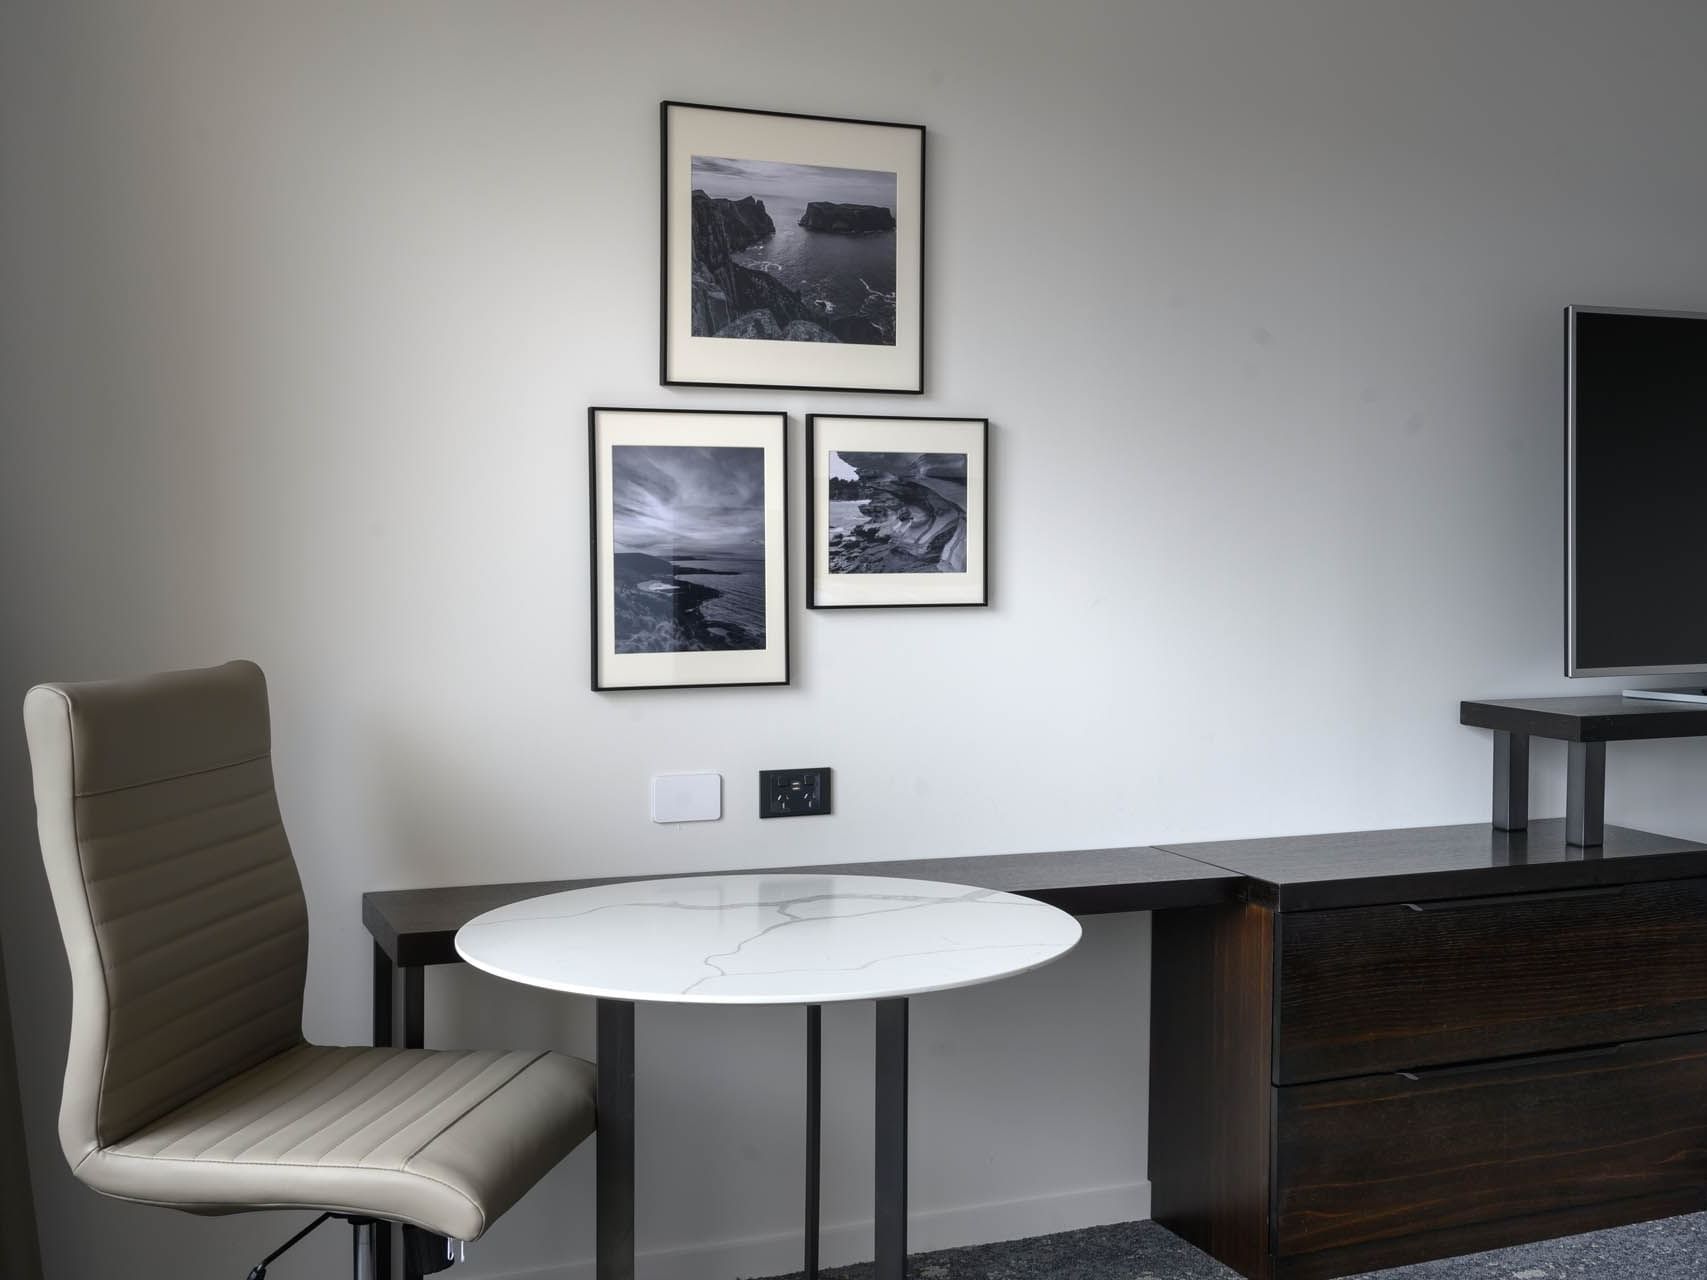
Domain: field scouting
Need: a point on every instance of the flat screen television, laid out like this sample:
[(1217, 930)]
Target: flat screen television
[(1635, 492)]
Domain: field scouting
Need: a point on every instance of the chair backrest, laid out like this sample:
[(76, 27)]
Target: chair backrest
[(177, 895)]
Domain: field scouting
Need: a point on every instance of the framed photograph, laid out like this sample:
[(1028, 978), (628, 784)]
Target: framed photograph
[(690, 547), (898, 511), (793, 251)]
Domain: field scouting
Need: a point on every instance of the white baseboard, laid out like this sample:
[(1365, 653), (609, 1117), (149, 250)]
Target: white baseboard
[(843, 1243)]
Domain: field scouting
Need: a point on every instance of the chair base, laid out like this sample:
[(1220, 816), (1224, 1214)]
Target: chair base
[(365, 1264), (425, 1253), (428, 1251)]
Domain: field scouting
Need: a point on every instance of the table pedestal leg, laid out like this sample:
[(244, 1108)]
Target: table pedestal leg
[(891, 1139), (615, 1141), (814, 1119)]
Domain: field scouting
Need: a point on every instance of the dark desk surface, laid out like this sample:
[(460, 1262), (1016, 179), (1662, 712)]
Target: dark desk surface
[(418, 926), (1291, 873), (1605, 718), (1359, 868)]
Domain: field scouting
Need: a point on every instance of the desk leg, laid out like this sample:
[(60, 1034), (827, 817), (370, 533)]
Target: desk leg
[(1585, 794), (414, 1037), (814, 1119), (1511, 780), (891, 1140), (384, 994), (615, 1141), (414, 1006), (384, 976)]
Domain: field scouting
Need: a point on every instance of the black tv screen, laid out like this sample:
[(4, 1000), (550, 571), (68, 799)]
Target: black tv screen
[(1635, 492)]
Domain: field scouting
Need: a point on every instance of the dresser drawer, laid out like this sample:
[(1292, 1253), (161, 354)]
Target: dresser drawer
[(1367, 1160), (1388, 988)]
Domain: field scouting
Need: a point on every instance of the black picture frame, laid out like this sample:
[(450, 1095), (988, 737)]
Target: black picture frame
[(674, 329), (977, 513), (601, 547)]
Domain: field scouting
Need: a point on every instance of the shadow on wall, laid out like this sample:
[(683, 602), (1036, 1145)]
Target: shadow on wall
[(20, 1259)]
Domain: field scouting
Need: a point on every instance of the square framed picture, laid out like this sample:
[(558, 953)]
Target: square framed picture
[(898, 511), (690, 547), (793, 251)]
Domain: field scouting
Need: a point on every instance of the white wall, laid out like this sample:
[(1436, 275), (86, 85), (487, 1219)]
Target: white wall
[(303, 304)]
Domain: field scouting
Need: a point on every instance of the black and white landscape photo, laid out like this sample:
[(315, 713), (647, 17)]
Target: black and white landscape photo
[(793, 252), (897, 512), (688, 548)]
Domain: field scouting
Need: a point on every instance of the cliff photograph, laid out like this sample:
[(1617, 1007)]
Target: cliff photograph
[(792, 252), (897, 512)]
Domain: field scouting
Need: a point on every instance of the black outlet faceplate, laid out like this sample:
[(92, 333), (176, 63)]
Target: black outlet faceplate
[(793, 793)]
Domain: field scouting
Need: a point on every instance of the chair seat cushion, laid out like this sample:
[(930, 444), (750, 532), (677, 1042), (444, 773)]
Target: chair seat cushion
[(446, 1140)]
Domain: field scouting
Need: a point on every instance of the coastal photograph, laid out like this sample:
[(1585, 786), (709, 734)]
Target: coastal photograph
[(792, 252), (688, 556), (897, 512)]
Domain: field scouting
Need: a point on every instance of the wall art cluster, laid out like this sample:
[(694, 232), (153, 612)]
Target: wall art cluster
[(792, 258)]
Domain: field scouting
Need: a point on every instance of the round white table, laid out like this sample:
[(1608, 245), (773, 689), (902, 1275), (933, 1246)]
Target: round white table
[(763, 939)]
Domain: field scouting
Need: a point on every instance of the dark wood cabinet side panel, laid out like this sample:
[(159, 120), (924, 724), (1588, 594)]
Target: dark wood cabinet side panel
[(1368, 989), (1211, 1104), (1383, 1157)]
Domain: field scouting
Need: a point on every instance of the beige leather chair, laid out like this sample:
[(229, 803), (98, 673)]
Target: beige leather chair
[(188, 1082)]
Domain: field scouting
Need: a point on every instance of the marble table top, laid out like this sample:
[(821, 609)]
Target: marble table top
[(766, 939)]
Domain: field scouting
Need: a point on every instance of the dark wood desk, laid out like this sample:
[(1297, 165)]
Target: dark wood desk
[(1367, 1048), (414, 928)]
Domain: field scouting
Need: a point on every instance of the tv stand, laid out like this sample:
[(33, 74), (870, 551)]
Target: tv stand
[(1585, 725), (1686, 694)]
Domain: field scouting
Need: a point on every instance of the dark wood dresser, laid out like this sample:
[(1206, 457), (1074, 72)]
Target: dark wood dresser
[(1413, 1044)]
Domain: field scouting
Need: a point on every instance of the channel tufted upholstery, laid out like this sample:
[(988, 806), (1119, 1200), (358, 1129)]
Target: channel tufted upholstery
[(445, 1140), (188, 1082), (179, 901)]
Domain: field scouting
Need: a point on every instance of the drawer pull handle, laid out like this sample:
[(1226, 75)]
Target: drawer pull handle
[(1511, 899), (1512, 1064)]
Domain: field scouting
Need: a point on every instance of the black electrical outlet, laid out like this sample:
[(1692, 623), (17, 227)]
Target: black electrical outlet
[(793, 793)]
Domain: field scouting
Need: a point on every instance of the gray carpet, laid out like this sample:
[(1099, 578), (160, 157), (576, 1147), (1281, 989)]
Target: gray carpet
[(1672, 1249)]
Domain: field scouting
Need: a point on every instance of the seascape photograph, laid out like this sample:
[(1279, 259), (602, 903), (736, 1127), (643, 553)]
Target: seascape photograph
[(688, 562), (793, 252), (897, 512)]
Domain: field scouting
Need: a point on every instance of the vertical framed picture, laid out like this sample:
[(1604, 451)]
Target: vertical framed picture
[(690, 547), (897, 511), (793, 251)]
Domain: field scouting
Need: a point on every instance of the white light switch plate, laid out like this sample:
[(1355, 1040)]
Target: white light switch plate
[(687, 797)]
